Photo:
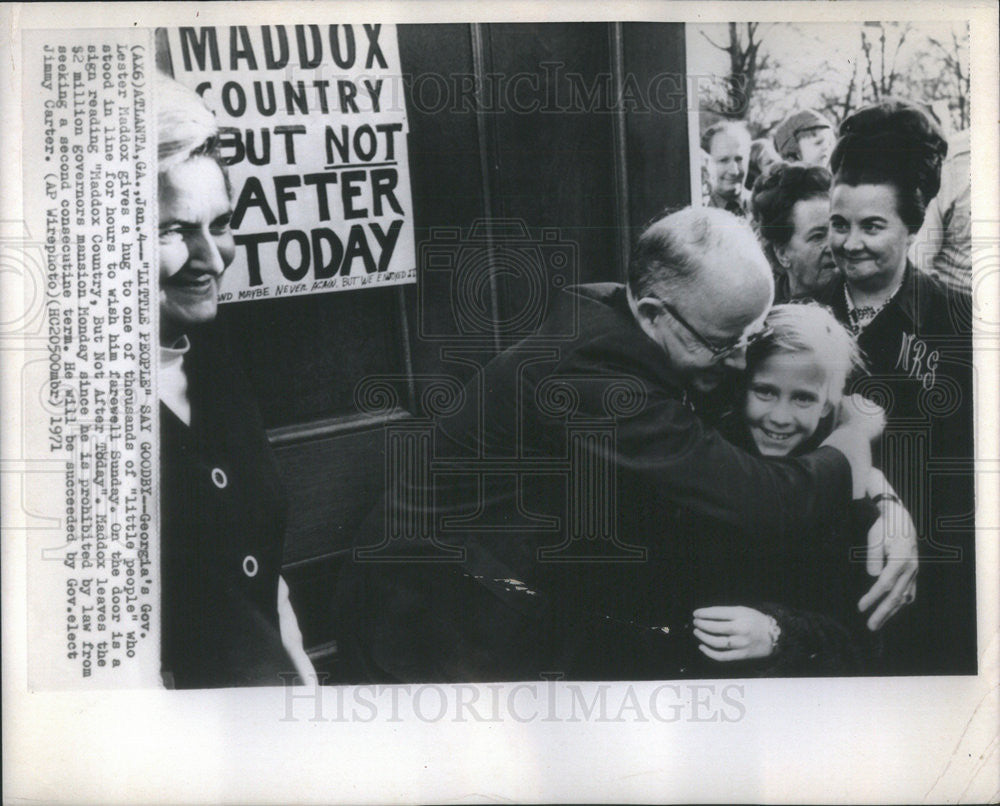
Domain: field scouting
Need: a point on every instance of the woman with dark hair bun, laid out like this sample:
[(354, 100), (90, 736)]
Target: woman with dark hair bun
[(893, 143), (916, 335), (791, 211)]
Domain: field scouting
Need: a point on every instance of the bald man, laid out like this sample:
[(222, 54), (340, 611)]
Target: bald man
[(591, 506)]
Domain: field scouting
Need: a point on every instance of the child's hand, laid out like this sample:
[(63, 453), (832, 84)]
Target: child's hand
[(735, 633)]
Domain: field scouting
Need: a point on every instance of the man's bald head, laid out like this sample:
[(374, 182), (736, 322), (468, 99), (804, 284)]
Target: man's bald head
[(700, 246), (699, 282)]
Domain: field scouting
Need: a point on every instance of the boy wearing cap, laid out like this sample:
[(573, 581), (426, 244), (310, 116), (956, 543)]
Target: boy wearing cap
[(805, 137)]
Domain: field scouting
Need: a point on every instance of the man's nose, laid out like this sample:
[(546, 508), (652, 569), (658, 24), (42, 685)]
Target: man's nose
[(737, 359), (205, 254)]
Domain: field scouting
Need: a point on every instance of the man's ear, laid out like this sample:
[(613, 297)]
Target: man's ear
[(649, 309)]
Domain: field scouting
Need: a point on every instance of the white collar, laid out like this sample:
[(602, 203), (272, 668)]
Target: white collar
[(172, 382)]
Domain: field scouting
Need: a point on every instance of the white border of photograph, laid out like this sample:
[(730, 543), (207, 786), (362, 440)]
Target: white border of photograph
[(816, 740)]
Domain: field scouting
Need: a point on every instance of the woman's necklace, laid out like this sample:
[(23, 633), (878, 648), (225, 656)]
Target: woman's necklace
[(860, 316)]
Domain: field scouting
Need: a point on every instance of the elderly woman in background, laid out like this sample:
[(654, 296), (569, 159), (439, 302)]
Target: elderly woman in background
[(226, 617), (916, 335), (791, 210)]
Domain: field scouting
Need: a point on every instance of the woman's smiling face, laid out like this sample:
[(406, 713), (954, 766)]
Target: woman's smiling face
[(787, 396), (868, 239), (196, 244)]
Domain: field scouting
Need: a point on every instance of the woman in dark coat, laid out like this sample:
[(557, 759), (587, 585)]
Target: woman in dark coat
[(226, 618), (916, 335)]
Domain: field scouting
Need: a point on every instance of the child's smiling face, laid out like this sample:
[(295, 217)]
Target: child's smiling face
[(786, 398)]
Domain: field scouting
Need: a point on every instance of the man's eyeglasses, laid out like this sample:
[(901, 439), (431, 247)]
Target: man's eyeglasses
[(718, 351)]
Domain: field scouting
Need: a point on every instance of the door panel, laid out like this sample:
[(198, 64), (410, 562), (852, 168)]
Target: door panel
[(578, 168), (304, 354)]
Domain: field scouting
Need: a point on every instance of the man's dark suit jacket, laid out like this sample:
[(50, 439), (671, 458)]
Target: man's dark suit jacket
[(593, 510)]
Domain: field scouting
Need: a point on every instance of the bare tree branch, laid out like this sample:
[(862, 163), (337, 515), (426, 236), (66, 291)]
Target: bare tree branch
[(867, 48), (710, 42), (849, 95), (895, 55), (763, 84)]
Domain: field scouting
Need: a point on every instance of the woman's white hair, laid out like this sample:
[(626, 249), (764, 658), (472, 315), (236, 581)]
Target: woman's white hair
[(185, 127)]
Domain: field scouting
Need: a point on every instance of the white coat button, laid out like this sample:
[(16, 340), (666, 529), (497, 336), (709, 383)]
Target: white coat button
[(219, 477), (250, 565)]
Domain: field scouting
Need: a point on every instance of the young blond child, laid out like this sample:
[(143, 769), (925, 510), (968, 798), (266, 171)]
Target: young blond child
[(795, 380), (796, 376)]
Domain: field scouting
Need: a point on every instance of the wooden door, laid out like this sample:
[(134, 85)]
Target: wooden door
[(571, 132)]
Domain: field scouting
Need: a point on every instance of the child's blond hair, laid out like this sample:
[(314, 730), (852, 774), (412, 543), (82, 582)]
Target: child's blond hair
[(799, 327)]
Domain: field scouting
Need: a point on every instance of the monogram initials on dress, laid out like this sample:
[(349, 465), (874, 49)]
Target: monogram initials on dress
[(917, 360)]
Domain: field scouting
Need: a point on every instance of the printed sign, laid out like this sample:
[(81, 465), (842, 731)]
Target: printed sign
[(313, 128)]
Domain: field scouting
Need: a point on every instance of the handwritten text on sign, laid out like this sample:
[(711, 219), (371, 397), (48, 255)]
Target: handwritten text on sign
[(314, 130)]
